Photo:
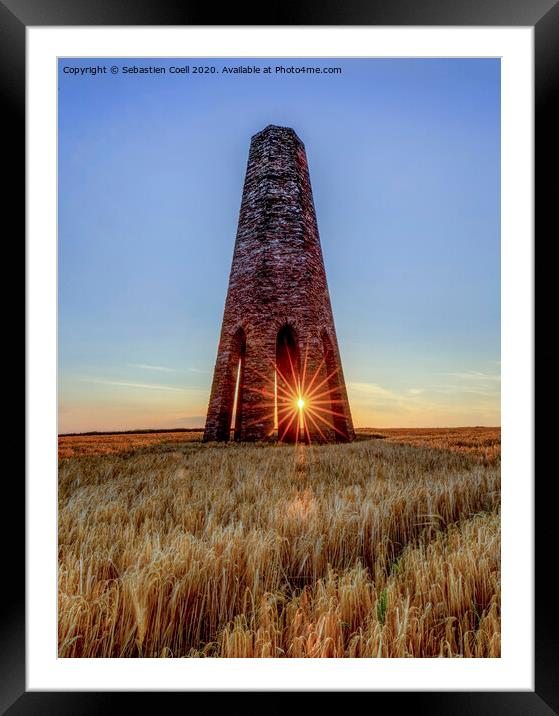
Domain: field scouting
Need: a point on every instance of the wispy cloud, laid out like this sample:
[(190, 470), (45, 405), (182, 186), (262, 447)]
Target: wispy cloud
[(462, 403), (470, 382), (474, 375), (146, 366), (378, 398), (378, 394), (143, 386), (486, 390), (164, 369), (371, 390)]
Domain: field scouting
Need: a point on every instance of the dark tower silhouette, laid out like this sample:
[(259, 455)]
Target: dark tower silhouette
[(278, 371)]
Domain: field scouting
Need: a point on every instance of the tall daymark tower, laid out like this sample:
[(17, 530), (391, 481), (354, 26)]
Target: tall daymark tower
[(278, 373)]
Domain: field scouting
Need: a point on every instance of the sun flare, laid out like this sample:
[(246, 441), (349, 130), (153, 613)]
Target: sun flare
[(301, 403)]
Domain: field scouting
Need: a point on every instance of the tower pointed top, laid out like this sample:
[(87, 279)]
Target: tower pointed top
[(277, 129)]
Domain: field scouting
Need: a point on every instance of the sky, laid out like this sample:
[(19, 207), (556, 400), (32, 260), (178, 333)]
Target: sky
[(404, 160)]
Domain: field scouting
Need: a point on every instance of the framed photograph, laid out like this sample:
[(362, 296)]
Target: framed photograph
[(279, 352)]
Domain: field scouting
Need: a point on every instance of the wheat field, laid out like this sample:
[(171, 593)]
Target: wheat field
[(385, 547)]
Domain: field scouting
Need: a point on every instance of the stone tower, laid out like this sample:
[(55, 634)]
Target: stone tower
[(278, 373)]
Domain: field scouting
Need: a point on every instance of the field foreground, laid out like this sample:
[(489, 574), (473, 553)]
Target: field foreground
[(386, 547)]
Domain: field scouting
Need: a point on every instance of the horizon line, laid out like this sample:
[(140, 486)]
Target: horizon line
[(136, 431)]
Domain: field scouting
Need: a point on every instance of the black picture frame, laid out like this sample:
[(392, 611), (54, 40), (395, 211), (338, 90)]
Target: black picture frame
[(543, 15)]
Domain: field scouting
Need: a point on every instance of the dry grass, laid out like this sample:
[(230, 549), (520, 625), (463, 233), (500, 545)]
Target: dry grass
[(485, 442), (368, 549), (480, 440), (109, 443)]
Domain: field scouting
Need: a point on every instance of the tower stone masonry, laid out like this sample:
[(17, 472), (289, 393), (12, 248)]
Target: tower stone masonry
[(278, 373)]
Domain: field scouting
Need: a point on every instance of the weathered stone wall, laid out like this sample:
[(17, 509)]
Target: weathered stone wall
[(277, 278)]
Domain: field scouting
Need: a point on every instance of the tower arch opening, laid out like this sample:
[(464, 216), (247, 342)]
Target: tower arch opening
[(238, 393), (287, 384), (232, 396)]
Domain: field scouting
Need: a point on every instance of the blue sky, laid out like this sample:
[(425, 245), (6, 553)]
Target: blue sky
[(404, 157)]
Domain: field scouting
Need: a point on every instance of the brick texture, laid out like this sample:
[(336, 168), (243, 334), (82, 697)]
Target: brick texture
[(278, 312)]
